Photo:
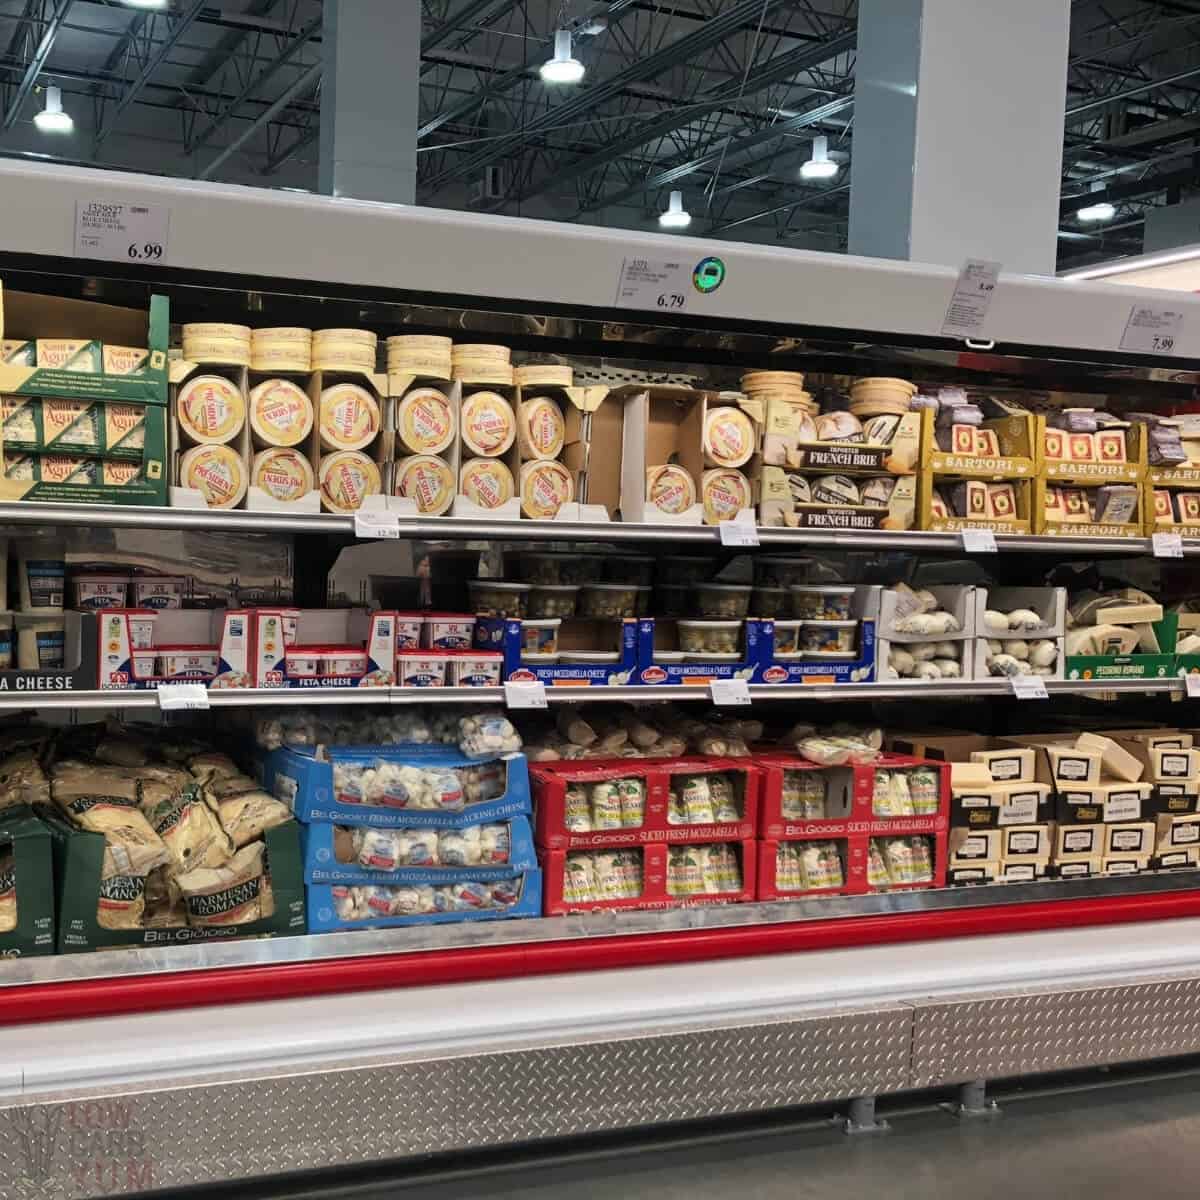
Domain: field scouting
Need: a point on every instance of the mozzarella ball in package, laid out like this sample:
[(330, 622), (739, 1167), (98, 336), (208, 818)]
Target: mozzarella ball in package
[(485, 735)]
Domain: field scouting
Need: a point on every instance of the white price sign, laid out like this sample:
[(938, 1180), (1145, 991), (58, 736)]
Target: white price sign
[(182, 697), (738, 533), (1029, 687), (525, 695), (979, 541), (128, 232), (730, 691), (668, 284), (376, 525), (1191, 684), (1167, 545), (972, 298), (1152, 329)]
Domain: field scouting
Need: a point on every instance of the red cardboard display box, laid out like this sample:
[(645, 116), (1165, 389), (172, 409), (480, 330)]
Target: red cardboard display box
[(654, 892), (552, 781)]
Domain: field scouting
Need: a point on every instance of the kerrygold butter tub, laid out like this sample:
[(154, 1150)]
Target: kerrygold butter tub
[(428, 481), (281, 414), (425, 421), (210, 410), (486, 482), (541, 431), (283, 473), (215, 471), (488, 424), (348, 417), (346, 478)]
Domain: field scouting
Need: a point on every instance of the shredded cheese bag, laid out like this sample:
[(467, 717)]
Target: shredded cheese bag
[(247, 815), (191, 832), (8, 893), (235, 894), (133, 845)]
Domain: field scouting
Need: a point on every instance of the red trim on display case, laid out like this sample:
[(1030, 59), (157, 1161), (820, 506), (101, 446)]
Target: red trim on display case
[(23, 1003)]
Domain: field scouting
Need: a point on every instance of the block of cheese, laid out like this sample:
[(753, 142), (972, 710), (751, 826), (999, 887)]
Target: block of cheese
[(970, 774), (1131, 614), (216, 471), (1080, 867), (974, 845), (1101, 640), (1117, 761), (1022, 870), (1020, 803), (1078, 841), (1173, 764), (1168, 739), (1025, 842), (1129, 837), (1187, 856), (1005, 766), (1175, 831), (1069, 765), (1131, 864)]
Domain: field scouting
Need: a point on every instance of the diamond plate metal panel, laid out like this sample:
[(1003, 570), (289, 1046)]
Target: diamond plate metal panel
[(170, 1137), (1023, 1034)]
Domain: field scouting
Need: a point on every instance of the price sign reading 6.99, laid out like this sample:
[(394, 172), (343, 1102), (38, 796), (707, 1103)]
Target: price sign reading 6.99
[(117, 230)]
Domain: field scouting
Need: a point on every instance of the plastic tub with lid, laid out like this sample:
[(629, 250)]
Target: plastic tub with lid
[(497, 598), (553, 600), (476, 668), (787, 638), (828, 637), (188, 662), (723, 601), (823, 602), (540, 637), (422, 668), (448, 631), (96, 591), (607, 601), (717, 637), (409, 627), (637, 569), (145, 663), (770, 602)]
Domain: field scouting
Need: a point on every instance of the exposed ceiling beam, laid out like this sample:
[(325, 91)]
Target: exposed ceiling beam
[(36, 63), (255, 84), (1128, 191), (478, 11), (775, 70), (804, 201), (228, 45), (177, 30), (1129, 93), (305, 139), (683, 49)]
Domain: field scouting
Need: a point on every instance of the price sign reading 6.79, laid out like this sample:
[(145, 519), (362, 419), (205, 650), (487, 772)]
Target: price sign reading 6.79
[(671, 300)]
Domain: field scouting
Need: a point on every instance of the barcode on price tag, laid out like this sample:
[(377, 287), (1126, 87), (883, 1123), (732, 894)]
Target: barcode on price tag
[(1191, 683), (972, 298), (525, 695), (730, 691), (1152, 329), (979, 541), (738, 533), (126, 232), (376, 525), (1167, 545), (182, 697), (1029, 687)]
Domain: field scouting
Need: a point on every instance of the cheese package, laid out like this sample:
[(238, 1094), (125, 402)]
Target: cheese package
[(281, 356), (210, 410), (986, 443), (348, 417), (1110, 445), (1103, 802), (1075, 506), (1101, 640), (728, 438), (72, 425), (545, 487), (14, 353), (283, 473), (541, 375), (1081, 447), (1116, 503), (245, 810), (1189, 507), (191, 832), (131, 844), (69, 354), (975, 773), (1077, 867), (235, 894), (1176, 831), (217, 329), (1132, 864), (229, 352), (1054, 445), (1132, 838), (8, 892), (670, 489), (1006, 766), (125, 360), (346, 478), (425, 421), (974, 845), (1024, 842), (1167, 765), (1002, 501), (217, 472), (1069, 765), (428, 481), (1164, 507), (541, 430), (723, 494), (835, 489), (281, 414), (1079, 841), (1117, 761), (489, 426), (485, 482), (283, 335)]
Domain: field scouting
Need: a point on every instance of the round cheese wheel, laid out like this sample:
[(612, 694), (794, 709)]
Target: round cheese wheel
[(488, 424), (283, 473), (281, 414), (215, 329), (217, 472), (348, 417), (492, 374), (210, 410), (761, 381), (281, 333), (425, 421), (723, 494), (345, 479), (540, 428), (670, 489), (426, 479), (728, 437), (486, 482), (339, 359), (420, 343), (217, 350), (543, 375), (295, 359), (482, 352), (545, 488), (835, 489), (362, 337)]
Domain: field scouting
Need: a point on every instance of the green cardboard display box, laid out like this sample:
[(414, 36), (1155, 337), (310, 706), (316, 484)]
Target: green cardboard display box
[(1130, 666), (78, 855), (30, 842)]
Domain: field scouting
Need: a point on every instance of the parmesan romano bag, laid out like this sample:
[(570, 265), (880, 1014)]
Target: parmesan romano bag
[(236, 894)]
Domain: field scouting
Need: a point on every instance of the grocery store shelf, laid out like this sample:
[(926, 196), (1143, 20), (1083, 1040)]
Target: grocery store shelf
[(116, 516), (209, 956)]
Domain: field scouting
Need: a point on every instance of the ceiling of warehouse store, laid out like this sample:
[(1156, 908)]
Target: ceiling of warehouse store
[(719, 99)]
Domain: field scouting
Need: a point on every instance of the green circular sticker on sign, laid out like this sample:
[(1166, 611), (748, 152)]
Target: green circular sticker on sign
[(708, 275)]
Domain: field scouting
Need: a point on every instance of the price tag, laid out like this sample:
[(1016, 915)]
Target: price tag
[(972, 298), (1191, 685), (127, 232), (979, 541), (1152, 329), (182, 697), (730, 691), (525, 695), (738, 533), (1029, 687), (1167, 545), (376, 524), (668, 284)]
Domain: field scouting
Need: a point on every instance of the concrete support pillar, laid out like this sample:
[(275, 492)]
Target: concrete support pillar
[(371, 66), (958, 131)]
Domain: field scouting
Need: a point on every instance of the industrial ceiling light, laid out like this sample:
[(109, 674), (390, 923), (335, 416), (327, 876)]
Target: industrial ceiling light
[(820, 166), (146, 3), (562, 68), (1103, 211), (52, 118), (675, 216)]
